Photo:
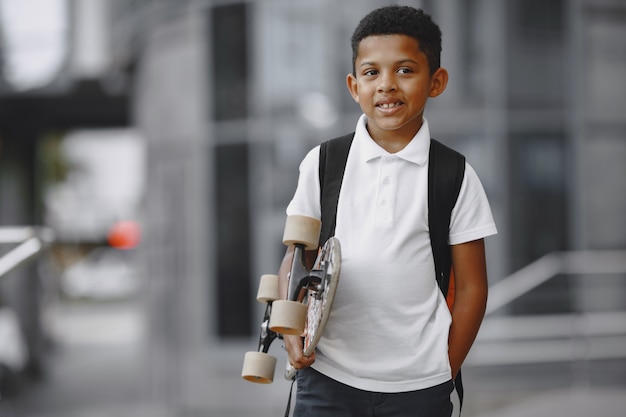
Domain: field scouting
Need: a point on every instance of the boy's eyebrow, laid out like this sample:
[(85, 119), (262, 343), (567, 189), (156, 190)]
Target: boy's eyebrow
[(402, 61)]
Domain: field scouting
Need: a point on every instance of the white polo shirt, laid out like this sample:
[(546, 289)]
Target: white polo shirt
[(388, 330)]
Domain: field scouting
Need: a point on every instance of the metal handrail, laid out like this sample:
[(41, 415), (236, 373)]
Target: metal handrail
[(530, 277), (574, 337), (31, 241)]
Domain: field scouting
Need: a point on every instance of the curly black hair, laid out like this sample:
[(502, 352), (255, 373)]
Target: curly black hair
[(401, 20)]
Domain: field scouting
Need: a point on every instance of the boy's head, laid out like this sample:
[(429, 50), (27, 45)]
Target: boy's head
[(401, 20)]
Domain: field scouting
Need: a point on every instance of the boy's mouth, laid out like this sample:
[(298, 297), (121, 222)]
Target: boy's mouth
[(388, 105)]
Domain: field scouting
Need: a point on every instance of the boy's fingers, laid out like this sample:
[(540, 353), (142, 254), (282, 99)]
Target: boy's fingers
[(302, 361), (293, 345)]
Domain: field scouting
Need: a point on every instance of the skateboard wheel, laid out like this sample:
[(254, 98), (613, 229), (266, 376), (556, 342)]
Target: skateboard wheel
[(258, 367), (268, 289), (288, 317), (303, 230)]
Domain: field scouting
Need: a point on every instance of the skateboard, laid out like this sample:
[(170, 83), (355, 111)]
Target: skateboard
[(310, 297)]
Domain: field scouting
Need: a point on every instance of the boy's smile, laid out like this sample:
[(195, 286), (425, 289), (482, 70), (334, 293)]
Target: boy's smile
[(392, 83)]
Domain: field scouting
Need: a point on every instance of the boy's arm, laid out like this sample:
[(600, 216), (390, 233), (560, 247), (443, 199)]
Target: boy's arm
[(293, 343), (470, 301)]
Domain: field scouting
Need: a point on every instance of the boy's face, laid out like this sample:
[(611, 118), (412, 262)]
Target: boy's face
[(392, 83)]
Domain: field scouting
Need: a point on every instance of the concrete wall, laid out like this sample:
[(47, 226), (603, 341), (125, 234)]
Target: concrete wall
[(170, 111)]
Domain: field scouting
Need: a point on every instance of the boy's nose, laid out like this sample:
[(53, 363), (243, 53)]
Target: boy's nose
[(387, 83)]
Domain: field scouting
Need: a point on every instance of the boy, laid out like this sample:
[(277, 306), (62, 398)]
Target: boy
[(392, 347)]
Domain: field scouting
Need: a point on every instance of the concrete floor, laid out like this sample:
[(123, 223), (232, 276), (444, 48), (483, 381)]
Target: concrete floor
[(96, 368)]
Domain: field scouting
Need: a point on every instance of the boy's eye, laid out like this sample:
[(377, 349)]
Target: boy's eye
[(404, 70), (370, 72)]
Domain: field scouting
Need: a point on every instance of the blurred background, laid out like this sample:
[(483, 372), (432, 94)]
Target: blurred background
[(148, 149)]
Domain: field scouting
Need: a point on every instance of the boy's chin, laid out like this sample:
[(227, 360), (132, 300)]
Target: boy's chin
[(393, 126)]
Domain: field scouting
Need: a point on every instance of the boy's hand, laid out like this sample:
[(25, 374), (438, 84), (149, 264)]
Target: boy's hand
[(293, 345)]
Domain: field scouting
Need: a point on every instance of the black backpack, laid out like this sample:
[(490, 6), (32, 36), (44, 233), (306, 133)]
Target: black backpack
[(446, 169)]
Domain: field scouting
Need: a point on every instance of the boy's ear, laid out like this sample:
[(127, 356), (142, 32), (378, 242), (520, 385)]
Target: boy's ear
[(438, 82), (352, 86)]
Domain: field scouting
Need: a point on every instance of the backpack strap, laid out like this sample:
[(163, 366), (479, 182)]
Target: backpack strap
[(446, 169), (333, 158)]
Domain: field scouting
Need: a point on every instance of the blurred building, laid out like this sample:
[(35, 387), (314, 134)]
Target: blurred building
[(50, 84), (230, 95)]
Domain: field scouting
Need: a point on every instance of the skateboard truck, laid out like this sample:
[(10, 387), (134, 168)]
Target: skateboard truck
[(259, 365), (300, 277), (267, 336)]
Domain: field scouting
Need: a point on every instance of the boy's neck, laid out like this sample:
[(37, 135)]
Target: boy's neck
[(393, 141)]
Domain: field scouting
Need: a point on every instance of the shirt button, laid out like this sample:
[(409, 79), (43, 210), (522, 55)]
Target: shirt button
[(386, 180)]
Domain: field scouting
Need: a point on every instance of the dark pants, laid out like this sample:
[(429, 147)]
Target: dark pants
[(320, 396)]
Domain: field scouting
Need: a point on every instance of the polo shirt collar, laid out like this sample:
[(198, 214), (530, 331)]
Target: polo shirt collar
[(416, 151)]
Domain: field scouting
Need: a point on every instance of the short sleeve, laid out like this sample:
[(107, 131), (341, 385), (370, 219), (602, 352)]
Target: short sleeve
[(306, 199), (471, 217)]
